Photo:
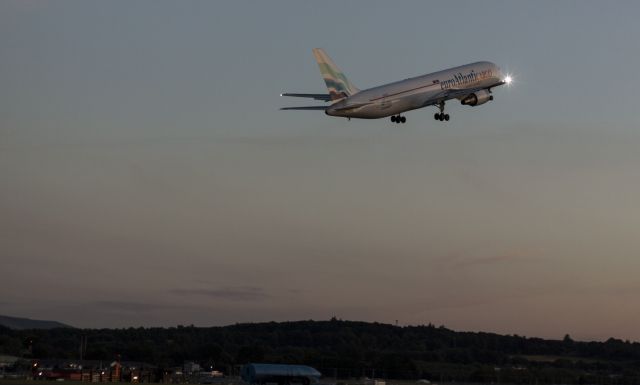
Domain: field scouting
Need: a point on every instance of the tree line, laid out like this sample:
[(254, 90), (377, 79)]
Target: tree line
[(344, 349)]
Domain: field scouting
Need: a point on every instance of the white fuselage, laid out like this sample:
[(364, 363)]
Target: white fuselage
[(410, 94)]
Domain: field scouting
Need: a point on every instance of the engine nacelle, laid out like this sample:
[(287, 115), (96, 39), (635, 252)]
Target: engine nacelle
[(477, 98)]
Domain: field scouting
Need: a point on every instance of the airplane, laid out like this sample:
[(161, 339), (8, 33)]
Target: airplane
[(471, 84)]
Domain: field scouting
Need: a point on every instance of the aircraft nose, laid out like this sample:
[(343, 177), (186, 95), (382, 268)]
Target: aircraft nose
[(504, 76)]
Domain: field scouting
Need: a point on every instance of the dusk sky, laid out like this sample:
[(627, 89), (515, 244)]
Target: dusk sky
[(149, 179)]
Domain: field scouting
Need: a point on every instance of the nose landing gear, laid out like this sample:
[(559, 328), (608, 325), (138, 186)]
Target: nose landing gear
[(398, 119)]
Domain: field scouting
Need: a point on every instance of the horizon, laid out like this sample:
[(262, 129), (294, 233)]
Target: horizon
[(332, 319)]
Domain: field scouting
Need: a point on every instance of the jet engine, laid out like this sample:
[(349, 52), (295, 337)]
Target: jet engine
[(477, 98)]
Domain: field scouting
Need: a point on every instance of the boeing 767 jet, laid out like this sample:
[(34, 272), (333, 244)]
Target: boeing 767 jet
[(471, 84)]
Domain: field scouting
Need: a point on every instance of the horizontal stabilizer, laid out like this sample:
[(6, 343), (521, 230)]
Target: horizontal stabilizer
[(325, 97), (317, 108)]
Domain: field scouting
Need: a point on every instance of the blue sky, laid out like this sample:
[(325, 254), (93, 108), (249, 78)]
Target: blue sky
[(149, 178)]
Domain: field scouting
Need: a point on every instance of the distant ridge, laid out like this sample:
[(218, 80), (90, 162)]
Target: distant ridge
[(17, 323), (350, 349)]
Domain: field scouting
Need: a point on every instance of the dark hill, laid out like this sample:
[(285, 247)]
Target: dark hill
[(26, 323), (346, 349)]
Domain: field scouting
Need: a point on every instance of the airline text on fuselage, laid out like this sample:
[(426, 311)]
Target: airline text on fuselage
[(459, 79)]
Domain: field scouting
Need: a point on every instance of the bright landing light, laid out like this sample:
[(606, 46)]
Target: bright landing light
[(508, 79)]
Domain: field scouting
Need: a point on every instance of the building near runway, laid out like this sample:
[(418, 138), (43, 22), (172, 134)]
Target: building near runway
[(261, 374)]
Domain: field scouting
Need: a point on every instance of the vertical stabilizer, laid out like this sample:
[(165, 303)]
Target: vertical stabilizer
[(337, 83)]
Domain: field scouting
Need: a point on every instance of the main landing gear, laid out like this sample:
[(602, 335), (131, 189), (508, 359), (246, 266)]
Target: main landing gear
[(398, 119), (441, 116)]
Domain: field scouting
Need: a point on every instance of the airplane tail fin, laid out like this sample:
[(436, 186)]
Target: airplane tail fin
[(337, 83)]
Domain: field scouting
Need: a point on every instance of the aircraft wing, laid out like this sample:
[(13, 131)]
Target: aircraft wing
[(455, 93), (351, 106), (319, 108), (345, 108), (323, 97)]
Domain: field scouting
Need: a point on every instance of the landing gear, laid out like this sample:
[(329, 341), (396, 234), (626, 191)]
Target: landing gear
[(441, 116), (398, 119)]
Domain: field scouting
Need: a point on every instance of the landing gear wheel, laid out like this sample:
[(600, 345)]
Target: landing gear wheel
[(441, 116), (403, 119), (393, 118)]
